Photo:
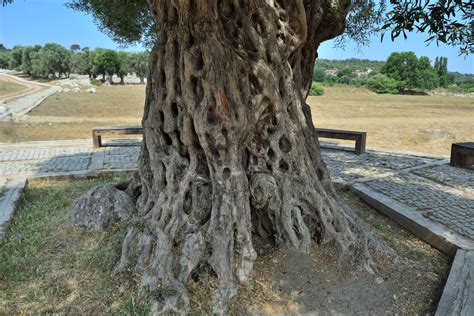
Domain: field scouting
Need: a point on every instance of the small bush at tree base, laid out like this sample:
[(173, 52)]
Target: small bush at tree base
[(96, 82), (383, 84), (316, 89)]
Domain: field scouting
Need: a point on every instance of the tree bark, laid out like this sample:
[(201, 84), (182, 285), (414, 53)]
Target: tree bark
[(230, 154)]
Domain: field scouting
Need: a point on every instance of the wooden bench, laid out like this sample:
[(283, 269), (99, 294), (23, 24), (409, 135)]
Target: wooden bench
[(359, 137), (98, 131), (462, 154)]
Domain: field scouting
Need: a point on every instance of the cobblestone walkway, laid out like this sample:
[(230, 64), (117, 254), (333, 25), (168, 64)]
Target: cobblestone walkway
[(429, 186)]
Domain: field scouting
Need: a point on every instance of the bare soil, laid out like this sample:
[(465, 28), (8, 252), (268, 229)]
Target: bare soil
[(305, 283)]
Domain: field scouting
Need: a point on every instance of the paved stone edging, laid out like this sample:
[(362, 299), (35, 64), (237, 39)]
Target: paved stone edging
[(21, 106), (429, 231), (458, 293), (8, 202)]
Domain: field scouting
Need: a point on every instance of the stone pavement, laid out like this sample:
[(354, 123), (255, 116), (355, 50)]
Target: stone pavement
[(442, 194)]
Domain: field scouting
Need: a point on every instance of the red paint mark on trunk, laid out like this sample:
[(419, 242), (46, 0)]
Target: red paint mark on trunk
[(225, 104)]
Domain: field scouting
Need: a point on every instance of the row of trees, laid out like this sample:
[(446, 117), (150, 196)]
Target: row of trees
[(55, 61), (400, 71)]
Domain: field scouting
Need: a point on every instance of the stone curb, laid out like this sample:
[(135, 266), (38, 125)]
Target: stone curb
[(46, 93), (458, 293), (85, 174), (386, 151), (432, 233), (14, 189), (48, 144)]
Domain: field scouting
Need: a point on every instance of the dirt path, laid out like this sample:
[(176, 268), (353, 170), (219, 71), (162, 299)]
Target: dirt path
[(29, 87)]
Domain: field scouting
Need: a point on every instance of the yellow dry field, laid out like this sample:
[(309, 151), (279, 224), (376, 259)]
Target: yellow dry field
[(74, 115), (109, 101), (427, 124)]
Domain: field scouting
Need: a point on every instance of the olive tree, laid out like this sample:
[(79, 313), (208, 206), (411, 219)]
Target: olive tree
[(139, 65), (230, 155)]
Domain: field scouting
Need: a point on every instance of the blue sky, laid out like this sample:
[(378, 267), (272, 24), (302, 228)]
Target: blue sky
[(29, 22)]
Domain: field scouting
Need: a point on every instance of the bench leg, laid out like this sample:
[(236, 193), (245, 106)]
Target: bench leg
[(460, 160), (360, 145), (96, 140)]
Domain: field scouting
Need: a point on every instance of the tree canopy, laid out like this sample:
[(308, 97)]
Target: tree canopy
[(448, 22), (54, 60), (411, 71)]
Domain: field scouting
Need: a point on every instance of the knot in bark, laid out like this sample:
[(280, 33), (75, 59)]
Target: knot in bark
[(264, 192)]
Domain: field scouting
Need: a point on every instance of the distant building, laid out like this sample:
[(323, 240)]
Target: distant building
[(331, 72), (361, 73)]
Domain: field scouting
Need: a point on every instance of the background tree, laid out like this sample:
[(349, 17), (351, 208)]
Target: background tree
[(412, 72), (51, 60), (345, 75), (4, 57), (441, 67), (16, 55), (139, 65), (75, 47), (319, 74), (427, 75), (81, 62), (124, 67), (105, 62), (27, 58)]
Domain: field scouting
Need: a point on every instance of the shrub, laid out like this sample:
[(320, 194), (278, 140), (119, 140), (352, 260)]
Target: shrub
[(318, 74), (96, 82), (316, 89), (382, 84)]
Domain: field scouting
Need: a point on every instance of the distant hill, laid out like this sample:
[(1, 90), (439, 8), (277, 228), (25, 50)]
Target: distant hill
[(352, 63)]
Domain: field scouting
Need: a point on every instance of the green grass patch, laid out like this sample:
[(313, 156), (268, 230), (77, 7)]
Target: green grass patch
[(377, 226), (48, 266)]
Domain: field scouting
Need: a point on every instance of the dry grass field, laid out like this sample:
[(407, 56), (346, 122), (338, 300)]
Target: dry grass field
[(109, 101), (426, 124), (73, 115)]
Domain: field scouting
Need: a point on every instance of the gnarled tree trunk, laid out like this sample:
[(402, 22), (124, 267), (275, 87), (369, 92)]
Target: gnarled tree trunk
[(230, 152)]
